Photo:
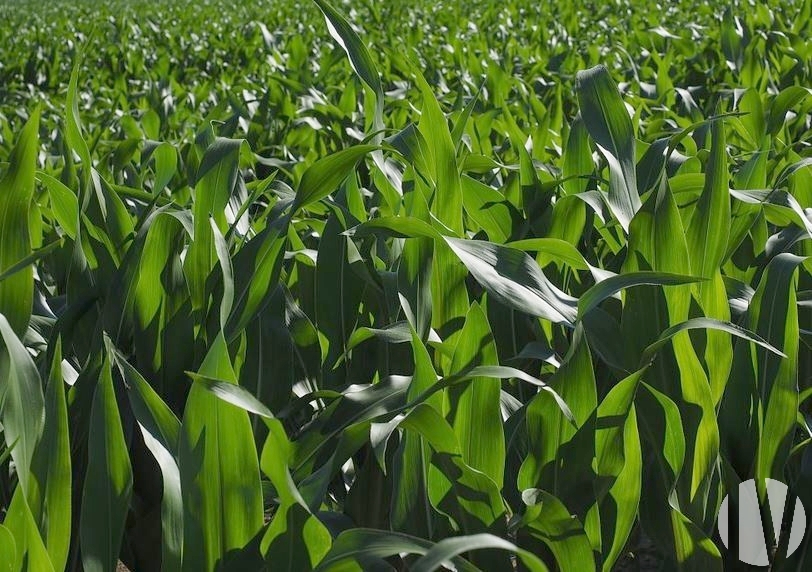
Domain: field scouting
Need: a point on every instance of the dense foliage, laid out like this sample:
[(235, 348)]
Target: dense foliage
[(400, 285)]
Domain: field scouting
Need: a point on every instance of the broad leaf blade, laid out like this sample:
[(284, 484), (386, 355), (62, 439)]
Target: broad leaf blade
[(22, 405), (109, 479), (16, 194), (514, 279), (50, 499), (219, 471), (610, 126)]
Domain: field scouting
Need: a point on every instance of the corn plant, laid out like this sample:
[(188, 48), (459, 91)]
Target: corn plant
[(307, 291)]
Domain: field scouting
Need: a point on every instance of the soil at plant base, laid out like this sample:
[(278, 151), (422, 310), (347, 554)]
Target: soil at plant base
[(643, 557)]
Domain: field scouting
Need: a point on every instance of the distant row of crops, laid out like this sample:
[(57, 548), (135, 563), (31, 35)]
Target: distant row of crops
[(400, 285)]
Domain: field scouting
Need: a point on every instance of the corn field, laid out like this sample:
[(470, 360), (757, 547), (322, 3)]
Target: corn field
[(353, 285)]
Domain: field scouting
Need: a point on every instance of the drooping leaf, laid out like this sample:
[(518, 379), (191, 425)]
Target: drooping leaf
[(160, 430), (22, 405), (614, 284), (367, 547), (448, 548), (605, 117), (324, 176), (514, 279), (549, 521), (215, 181)]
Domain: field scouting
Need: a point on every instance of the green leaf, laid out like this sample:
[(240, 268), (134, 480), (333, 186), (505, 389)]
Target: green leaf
[(707, 232), (448, 548), (450, 478), (550, 429), (657, 241), (619, 470), (399, 226), (774, 315), (614, 284), (779, 205), (215, 182), (22, 405), (548, 520), (339, 293), (397, 333), (50, 488), (706, 323), (758, 414), (64, 204), (32, 258), (707, 237), (16, 194), (109, 479), (257, 266), (608, 122), (411, 509), (107, 219), (447, 192), (474, 410), (465, 116), (356, 406), (499, 372), (577, 159), (781, 104), (219, 470), (514, 279), (662, 427), (30, 549), (160, 430), (414, 273), (165, 157), (295, 539), (232, 393), (553, 248), (360, 59), (488, 208), (224, 259), (365, 546), (148, 297), (8, 548), (444, 198), (325, 175), (73, 130)]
